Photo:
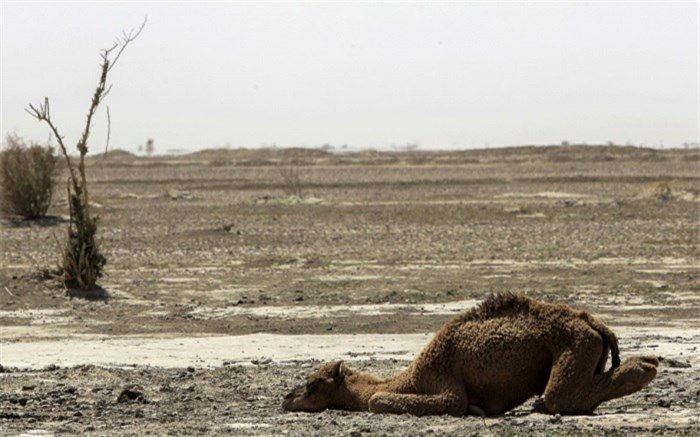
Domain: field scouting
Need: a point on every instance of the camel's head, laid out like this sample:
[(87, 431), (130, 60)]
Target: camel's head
[(322, 389)]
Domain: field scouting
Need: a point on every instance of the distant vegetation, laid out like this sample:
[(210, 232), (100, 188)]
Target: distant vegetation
[(28, 176), (303, 157)]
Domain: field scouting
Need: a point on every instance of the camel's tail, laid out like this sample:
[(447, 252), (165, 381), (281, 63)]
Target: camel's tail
[(609, 338)]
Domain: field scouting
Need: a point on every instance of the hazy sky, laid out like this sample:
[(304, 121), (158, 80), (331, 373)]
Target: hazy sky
[(440, 75)]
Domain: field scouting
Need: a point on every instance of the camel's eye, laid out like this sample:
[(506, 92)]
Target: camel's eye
[(312, 386)]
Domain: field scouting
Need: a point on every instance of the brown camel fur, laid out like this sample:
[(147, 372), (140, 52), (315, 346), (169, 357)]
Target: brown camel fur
[(488, 360)]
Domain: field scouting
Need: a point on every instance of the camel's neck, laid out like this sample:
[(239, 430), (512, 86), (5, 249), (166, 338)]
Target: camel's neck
[(360, 387)]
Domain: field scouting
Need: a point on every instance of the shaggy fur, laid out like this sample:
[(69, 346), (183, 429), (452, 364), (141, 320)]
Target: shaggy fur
[(488, 360)]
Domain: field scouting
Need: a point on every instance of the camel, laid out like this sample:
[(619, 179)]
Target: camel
[(489, 360)]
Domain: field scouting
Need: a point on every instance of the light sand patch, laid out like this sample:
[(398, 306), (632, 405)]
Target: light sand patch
[(692, 297), (291, 200), (678, 343), (631, 303), (532, 215), (316, 311), (36, 432), (207, 351), (40, 317), (156, 313), (641, 418), (632, 321), (246, 425), (666, 271), (174, 270), (415, 202), (339, 278), (24, 333), (138, 196), (17, 266), (179, 280), (653, 283), (545, 195), (356, 262), (678, 264), (287, 312)]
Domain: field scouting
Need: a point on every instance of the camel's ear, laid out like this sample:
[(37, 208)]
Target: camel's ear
[(344, 369), (337, 371)]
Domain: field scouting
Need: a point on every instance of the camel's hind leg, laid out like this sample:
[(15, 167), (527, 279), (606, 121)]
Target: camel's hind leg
[(575, 387), (451, 403)]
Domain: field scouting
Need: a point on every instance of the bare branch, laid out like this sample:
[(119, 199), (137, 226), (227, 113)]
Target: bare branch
[(109, 130), (126, 39), (43, 113), (104, 94), (102, 89)]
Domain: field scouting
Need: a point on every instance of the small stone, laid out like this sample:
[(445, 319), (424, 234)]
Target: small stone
[(131, 395)]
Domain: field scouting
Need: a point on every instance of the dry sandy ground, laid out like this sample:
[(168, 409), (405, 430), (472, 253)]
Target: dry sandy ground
[(222, 291)]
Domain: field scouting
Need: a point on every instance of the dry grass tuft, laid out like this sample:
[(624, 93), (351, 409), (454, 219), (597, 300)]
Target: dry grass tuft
[(292, 181), (662, 191)]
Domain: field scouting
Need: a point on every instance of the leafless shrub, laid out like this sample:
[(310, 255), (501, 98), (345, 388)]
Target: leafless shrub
[(28, 176), (83, 261), (292, 183)]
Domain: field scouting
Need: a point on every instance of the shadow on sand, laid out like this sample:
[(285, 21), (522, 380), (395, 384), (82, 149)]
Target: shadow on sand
[(47, 221), (96, 294)]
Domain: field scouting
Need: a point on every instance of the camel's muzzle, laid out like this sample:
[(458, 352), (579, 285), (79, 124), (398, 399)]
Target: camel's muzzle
[(288, 402)]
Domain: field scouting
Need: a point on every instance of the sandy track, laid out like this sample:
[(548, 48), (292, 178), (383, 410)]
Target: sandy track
[(210, 351)]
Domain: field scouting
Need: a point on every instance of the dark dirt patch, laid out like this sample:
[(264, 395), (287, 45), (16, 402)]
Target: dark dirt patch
[(246, 400)]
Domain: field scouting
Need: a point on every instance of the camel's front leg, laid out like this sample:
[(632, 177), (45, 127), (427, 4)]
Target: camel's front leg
[(454, 404)]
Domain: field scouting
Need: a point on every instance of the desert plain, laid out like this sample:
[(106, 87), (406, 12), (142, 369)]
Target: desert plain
[(222, 290)]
